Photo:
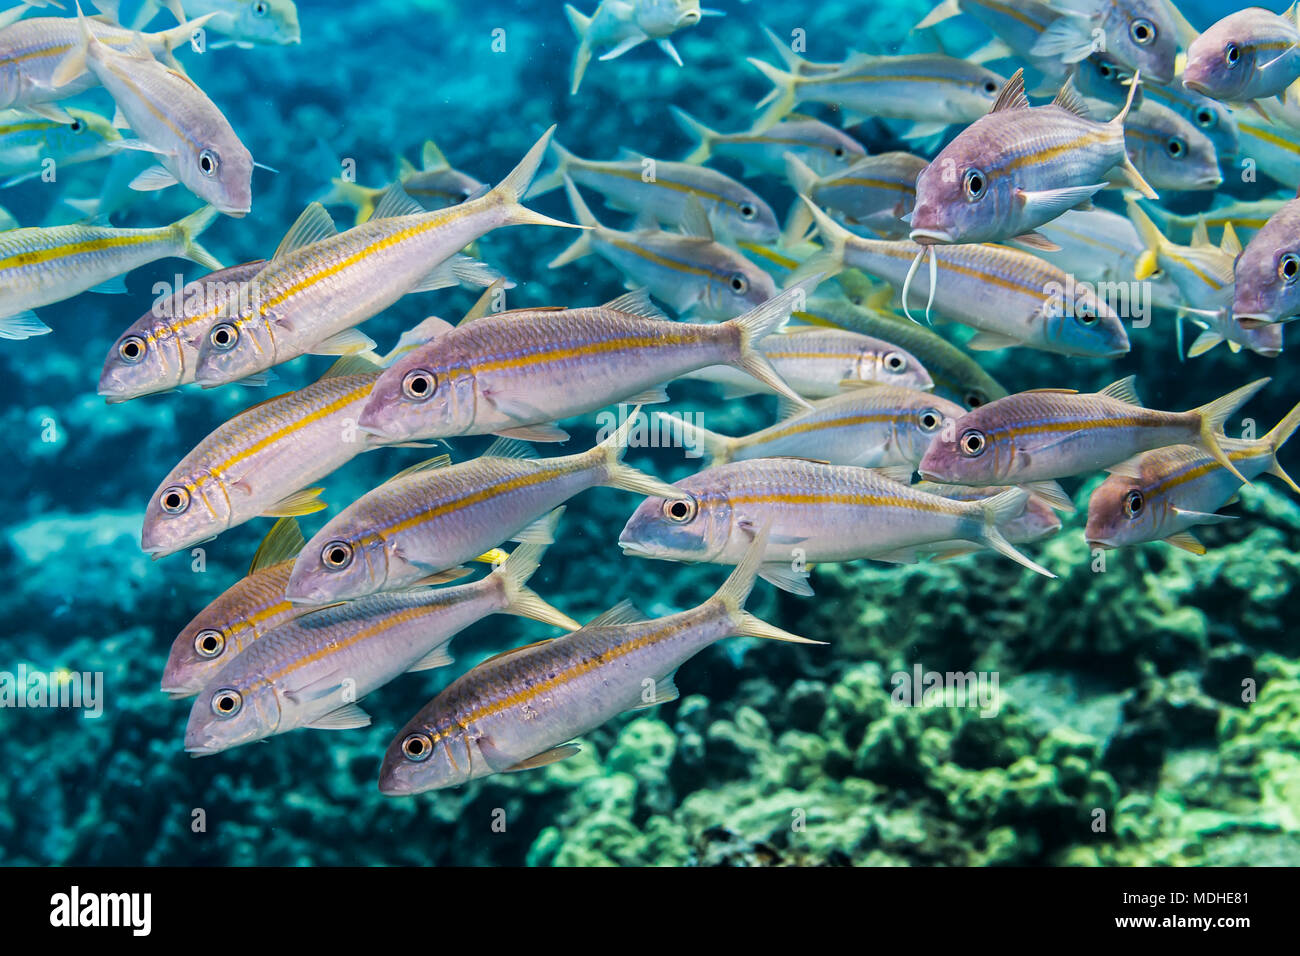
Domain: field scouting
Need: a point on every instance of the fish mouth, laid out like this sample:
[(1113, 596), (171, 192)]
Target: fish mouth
[(1252, 320), (1099, 543), (930, 237), (635, 550), (931, 476), (1196, 86), (1209, 182)]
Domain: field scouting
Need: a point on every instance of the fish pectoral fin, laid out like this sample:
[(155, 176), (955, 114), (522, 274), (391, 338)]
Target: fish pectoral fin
[(665, 691), (438, 657), (899, 473), (554, 755), (137, 144), (1036, 240), (991, 342), (538, 433), (347, 342), (1050, 203), (347, 717), (629, 43), (786, 578), (1068, 38), (1204, 517), (441, 577), (751, 527), (113, 286), (1187, 541), (1128, 468), (153, 178), (304, 502)]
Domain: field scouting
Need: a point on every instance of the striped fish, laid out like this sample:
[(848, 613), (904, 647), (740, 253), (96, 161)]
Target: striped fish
[(516, 711), (1267, 287), (661, 190), (868, 425), (44, 264), (1052, 433), (1165, 493), (1039, 520), (1018, 167), (689, 271), (1211, 117), (160, 350), (436, 185), (262, 461), (515, 373), (761, 149), (1012, 297), (1247, 218), (321, 283), (1169, 151), (1103, 246), (1274, 148), (244, 22), (817, 361), (875, 193), (818, 513), (621, 25), (309, 672), (431, 518), (1143, 35), (1016, 25), (27, 142), (1248, 55), (249, 609)]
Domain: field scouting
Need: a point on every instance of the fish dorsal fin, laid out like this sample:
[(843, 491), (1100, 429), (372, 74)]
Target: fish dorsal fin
[(431, 156), (1012, 96), (624, 612), (1200, 234), (1231, 244), (695, 222), (1068, 99), (282, 542), (441, 461), (313, 225), (1123, 391), (636, 302), (484, 304), (359, 364), (395, 201), (516, 650), (510, 448)]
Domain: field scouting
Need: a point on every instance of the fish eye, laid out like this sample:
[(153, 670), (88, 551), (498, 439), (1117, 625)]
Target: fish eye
[(930, 419), (1288, 267), (681, 510), (208, 162), (1205, 117), (336, 555), (1106, 70), (839, 152), (261, 8), (739, 284), (1231, 54), (223, 337), (1133, 503), (894, 362), (990, 86), (976, 399), (747, 211), (418, 385), (974, 183), (209, 643), (131, 349), (1176, 147), (174, 500), (972, 443), (1142, 31), (227, 702), (75, 126), (417, 747)]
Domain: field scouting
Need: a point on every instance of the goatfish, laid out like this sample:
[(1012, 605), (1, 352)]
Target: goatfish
[(1166, 492), (171, 118), (1051, 433), (868, 425), (818, 513), (622, 25), (817, 362), (310, 671), (1169, 151), (30, 143), (158, 352), (1016, 25), (262, 461), (1274, 149), (248, 610), (933, 91), (1018, 167), (690, 271), (761, 149), (662, 190), (1246, 217), (244, 23), (432, 517), (1039, 520), (32, 50), (44, 264), (435, 185), (515, 373), (874, 193), (1247, 56), (1102, 246), (320, 283), (1211, 117), (1011, 297), (1267, 273), (1142, 35), (517, 710)]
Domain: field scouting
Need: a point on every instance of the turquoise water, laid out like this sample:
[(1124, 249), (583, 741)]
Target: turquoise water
[(1122, 735)]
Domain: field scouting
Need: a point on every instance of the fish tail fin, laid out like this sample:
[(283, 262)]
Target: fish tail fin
[(1216, 413), (714, 448), (998, 510), (147, 10), (1148, 261), (735, 592), (189, 228), (581, 24), (830, 260), (510, 191), (583, 245), (359, 197), (176, 37), (555, 178), (521, 600), (618, 475), (944, 11), (793, 61), (1277, 438), (696, 130), (762, 321), (780, 101)]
